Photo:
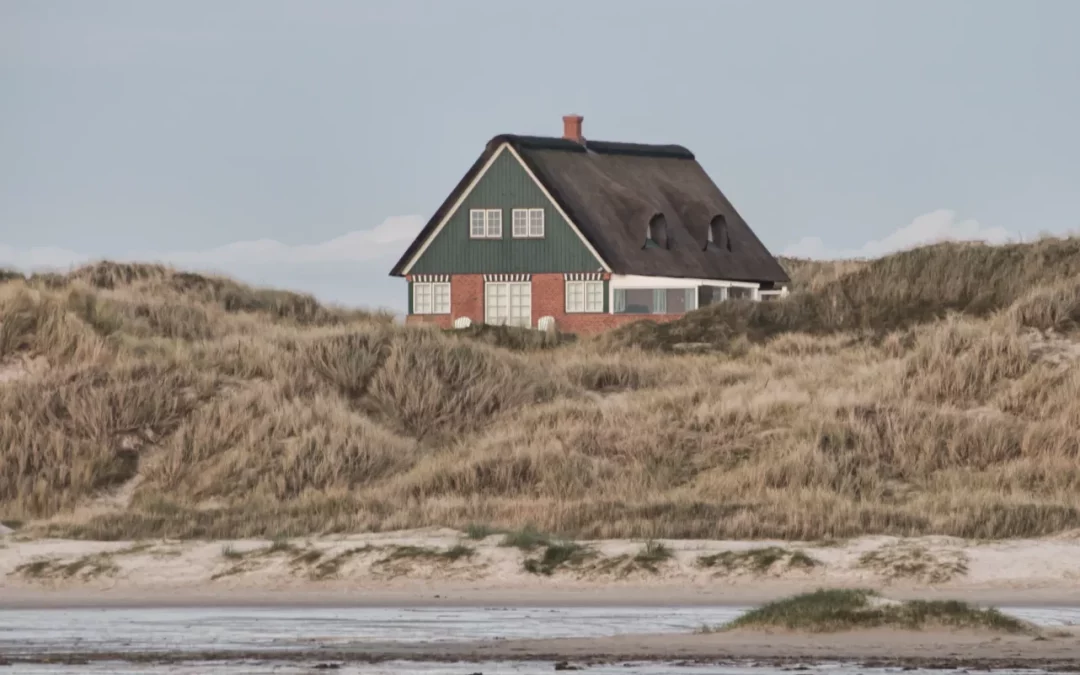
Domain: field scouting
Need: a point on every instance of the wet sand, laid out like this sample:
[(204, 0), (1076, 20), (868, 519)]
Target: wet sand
[(1059, 651)]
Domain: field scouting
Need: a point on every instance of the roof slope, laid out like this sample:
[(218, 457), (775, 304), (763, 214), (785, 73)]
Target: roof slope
[(610, 191)]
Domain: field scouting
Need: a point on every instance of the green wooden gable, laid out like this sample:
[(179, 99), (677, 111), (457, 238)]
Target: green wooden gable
[(506, 186)]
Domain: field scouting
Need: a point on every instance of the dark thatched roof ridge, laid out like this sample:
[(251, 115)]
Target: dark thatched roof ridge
[(612, 190)]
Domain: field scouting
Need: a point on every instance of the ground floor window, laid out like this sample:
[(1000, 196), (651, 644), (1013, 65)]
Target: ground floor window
[(655, 300), (508, 304), (431, 298), (584, 296), (711, 295)]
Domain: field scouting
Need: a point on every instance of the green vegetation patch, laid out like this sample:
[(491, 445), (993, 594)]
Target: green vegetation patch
[(478, 532), (830, 610), (527, 538), (757, 560), (557, 555), (85, 568)]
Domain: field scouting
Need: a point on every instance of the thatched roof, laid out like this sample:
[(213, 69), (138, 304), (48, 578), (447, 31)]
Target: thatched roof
[(611, 191)]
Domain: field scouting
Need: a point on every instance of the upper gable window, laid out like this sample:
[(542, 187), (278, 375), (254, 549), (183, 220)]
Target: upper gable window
[(718, 233), (485, 223), (528, 223)]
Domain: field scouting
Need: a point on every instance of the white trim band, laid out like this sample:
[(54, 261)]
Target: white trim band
[(583, 276), (503, 278), (431, 278)]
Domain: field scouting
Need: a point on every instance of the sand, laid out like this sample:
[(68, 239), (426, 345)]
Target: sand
[(379, 569)]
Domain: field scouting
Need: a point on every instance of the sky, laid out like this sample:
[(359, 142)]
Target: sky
[(303, 144)]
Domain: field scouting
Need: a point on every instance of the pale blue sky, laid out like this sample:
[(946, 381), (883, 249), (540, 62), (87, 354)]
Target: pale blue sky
[(165, 130)]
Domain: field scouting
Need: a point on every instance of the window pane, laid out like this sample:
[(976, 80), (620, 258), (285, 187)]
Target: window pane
[(494, 223), (659, 301), (422, 299), (536, 223), (675, 301), (645, 300), (574, 296), (441, 298), (476, 224), (594, 302), (637, 301), (520, 311), (521, 223), (499, 297), (739, 293)]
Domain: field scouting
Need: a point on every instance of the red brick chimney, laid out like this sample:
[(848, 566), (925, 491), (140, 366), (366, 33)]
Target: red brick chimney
[(572, 128)]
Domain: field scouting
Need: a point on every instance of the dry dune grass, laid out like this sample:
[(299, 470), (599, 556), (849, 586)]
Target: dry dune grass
[(911, 395)]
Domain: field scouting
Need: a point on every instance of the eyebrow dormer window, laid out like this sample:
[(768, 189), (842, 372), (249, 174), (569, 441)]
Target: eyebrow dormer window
[(657, 236), (718, 234)]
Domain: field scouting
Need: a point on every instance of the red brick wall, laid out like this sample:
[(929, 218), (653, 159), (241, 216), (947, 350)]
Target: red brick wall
[(467, 296), (548, 299)]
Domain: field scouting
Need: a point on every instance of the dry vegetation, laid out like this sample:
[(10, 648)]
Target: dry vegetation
[(908, 561), (934, 391)]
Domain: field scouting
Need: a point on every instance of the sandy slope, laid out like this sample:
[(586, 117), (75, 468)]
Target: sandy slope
[(379, 568)]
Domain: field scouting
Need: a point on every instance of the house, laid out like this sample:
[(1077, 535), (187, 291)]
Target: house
[(585, 235)]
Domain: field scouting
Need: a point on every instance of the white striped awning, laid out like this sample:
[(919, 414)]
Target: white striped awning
[(583, 276), (431, 278), (507, 277)]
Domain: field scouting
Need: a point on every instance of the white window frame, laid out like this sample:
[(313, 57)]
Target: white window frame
[(490, 222), (573, 288), (431, 306), (491, 305), (527, 223)]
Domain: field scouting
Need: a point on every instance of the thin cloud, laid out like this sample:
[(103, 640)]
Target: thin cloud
[(930, 228), (385, 240)]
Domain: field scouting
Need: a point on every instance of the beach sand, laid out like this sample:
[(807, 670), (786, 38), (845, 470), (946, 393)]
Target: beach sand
[(410, 568)]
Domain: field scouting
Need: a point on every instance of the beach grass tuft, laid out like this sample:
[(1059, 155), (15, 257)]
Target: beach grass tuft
[(759, 560), (830, 610)]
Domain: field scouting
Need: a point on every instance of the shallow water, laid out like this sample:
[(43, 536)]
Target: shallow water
[(267, 629)]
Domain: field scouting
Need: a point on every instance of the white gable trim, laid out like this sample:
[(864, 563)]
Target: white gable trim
[(559, 208), (453, 209)]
